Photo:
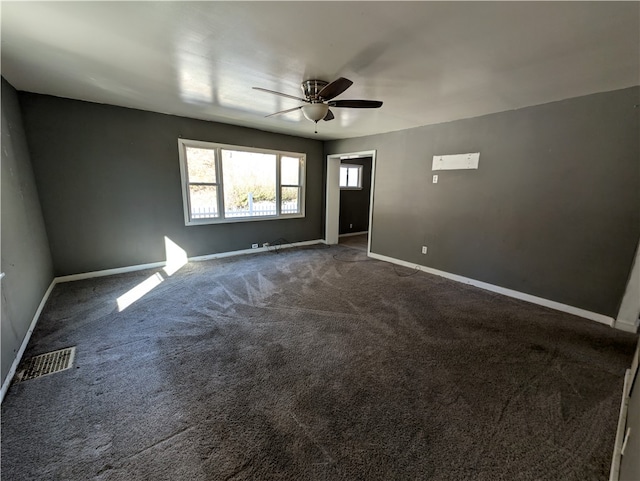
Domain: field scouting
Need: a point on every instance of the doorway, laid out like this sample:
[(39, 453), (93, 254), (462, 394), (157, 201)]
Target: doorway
[(332, 225)]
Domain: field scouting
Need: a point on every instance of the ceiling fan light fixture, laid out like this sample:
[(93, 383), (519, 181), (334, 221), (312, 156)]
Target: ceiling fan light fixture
[(315, 111), (319, 98)]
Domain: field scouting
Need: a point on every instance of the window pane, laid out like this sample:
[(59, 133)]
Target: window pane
[(290, 198), (353, 177), (203, 201), (249, 183), (343, 176), (201, 164), (289, 171)]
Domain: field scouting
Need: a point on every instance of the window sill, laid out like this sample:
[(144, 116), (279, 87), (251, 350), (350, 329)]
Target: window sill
[(233, 220)]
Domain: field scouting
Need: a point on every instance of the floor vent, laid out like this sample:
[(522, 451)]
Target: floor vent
[(48, 363)]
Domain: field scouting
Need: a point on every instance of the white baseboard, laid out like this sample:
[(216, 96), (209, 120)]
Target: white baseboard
[(154, 265), (254, 251), (625, 325), (354, 233), (576, 311), (109, 272), (25, 341)]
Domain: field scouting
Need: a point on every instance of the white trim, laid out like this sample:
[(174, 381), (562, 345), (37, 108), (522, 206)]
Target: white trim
[(332, 215), (350, 234), (576, 311), (254, 251), (153, 265), (373, 179), (25, 341), (219, 183), (614, 474), (182, 155), (235, 220), (629, 311), (332, 206), (205, 144), (109, 272), (623, 325)]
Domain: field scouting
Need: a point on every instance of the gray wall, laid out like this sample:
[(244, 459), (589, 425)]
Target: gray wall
[(26, 260), (354, 204), (553, 210), (109, 182)]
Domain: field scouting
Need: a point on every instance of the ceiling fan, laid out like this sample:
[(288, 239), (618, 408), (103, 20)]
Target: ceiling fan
[(318, 98)]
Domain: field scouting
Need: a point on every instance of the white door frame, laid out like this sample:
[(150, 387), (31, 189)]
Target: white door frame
[(627, 319), (332, 223)]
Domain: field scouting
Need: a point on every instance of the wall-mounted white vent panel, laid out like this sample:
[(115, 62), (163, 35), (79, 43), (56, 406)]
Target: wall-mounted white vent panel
[(456, 161)]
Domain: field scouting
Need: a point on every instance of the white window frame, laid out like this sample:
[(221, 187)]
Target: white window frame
[(353, 166), (221, 219)]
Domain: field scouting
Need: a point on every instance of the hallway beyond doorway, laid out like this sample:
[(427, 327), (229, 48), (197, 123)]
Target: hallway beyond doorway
[(355, 241)]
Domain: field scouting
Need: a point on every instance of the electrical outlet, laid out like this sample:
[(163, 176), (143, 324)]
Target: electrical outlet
[(350, 226), (254, 246), (424, 249), (435, 179)]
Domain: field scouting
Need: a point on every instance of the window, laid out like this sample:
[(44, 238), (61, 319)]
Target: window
[(227, 183), (350, 176)]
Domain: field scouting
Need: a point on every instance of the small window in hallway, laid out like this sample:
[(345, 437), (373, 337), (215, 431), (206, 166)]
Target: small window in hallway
[(350, 176)]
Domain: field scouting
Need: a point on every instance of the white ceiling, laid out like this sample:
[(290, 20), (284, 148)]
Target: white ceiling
[(428, 62)]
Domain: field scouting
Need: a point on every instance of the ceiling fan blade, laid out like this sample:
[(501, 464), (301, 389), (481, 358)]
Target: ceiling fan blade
[(280, 94), (329, 116), (283, 111), (335, 88), (356, 104)]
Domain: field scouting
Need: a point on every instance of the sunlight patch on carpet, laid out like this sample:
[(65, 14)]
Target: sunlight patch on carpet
[(131, 296)]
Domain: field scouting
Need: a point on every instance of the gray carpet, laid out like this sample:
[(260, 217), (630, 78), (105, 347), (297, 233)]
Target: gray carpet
[(303, 365)]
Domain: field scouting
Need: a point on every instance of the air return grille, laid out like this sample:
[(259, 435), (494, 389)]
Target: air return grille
[(48, 363)]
